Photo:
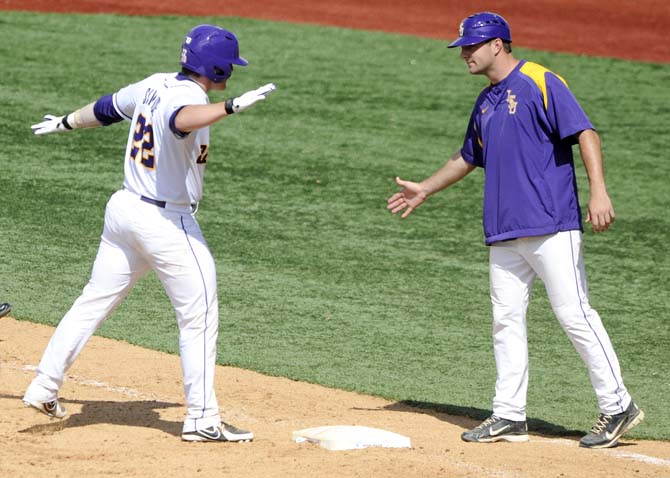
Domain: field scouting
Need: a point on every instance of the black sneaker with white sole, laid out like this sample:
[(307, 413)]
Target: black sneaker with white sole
[(609, 428), (495, 429), (224, 432)]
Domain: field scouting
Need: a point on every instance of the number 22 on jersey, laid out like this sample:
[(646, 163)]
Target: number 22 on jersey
[(142, 151)]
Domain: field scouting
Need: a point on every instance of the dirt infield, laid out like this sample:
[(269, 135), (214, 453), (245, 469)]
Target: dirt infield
[(126, 403), (126, 406)]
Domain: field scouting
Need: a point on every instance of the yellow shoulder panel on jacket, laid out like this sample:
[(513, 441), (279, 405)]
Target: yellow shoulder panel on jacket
[(537, 73)]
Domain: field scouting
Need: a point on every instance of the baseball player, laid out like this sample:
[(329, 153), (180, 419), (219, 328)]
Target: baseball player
[(521, 132), (150, 223)]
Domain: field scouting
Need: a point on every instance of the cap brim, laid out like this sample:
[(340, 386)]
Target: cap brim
[(467, 41), (240, 61)]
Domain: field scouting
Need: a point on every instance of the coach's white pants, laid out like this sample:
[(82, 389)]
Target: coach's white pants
[(557, 260), (139, 237)]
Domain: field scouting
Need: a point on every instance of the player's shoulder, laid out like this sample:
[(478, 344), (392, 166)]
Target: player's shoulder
[(167, 80), (152, 81), (160, 79), (538, 73), (181, 85), (541, 79)]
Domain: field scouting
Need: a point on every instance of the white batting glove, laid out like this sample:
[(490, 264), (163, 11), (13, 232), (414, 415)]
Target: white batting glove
[(241, 103), (51, 124)]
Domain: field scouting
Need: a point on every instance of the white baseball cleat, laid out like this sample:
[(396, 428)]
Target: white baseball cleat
[(222, 433), (51, 409)]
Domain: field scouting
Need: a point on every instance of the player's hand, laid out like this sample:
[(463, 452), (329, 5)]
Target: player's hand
[(411, 197), (600, 213), (250, 98), (51, 124)]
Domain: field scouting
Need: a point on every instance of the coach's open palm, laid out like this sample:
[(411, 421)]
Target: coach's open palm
[(411, 197)]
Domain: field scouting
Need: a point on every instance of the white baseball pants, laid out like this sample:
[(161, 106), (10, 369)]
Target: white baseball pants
[(139, 237), (557, 260)]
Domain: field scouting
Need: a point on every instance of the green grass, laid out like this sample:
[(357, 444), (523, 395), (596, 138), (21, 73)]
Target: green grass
[(317, 281)]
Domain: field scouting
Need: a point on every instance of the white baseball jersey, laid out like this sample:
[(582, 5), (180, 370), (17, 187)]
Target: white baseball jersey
[(162, 163)]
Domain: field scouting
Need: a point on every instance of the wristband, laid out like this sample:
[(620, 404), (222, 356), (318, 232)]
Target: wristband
[(229, 106), (65, 123)]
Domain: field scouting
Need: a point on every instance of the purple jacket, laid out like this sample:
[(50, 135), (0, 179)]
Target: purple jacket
[(521, 132)]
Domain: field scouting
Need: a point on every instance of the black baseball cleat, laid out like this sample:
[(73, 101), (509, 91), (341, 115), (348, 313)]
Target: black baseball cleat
[(5, 309), (223, 432), (609, 428), (497, 429)]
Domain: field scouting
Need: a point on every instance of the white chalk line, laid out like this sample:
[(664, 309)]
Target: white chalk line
[(650, 460), (129, 392), (480, 471)]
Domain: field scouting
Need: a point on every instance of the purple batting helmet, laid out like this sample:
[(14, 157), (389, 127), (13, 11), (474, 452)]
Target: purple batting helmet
[(480, 27), (211, 52)]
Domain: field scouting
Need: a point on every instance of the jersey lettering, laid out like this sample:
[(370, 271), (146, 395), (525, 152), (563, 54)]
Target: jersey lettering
[(511, 102), (142, 151), (202, 157)]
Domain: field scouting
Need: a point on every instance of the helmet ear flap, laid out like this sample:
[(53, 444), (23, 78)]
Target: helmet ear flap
[(224, 72)]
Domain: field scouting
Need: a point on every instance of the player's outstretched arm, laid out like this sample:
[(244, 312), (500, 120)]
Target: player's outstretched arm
[(82, 118), (414, 194), (194, 117)]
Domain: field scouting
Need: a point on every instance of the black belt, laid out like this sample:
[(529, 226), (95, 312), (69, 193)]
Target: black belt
[(155, 202), (163, 204)]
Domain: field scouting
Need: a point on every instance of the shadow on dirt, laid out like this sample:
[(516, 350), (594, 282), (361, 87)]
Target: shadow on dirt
[(469, 417), (142, 413)]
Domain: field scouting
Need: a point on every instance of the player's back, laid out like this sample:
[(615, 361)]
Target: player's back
[(162, 162)]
